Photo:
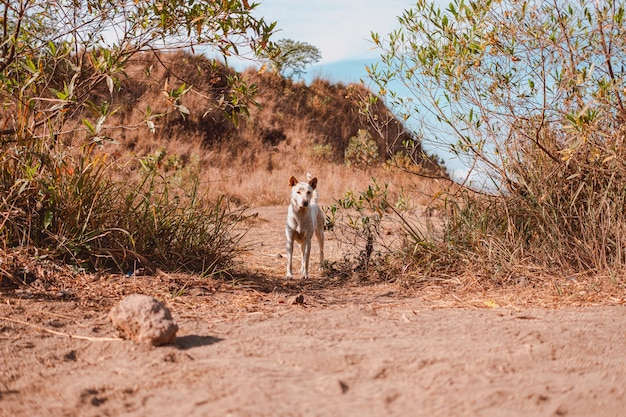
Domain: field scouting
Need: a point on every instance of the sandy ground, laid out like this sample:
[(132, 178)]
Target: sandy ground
[(348, 350)]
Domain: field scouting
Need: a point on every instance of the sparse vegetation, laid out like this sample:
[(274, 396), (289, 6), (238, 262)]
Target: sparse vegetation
[(531, 94), (63, 190), (356, 219), (362, 151)]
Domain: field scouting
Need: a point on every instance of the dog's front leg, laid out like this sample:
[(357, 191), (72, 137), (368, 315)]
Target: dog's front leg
[(289, 255), (306, 254)]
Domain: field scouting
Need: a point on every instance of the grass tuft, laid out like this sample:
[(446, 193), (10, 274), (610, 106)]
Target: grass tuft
[(94, 211)]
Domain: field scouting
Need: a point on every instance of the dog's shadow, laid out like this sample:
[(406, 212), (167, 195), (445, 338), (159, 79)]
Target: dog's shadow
[(193, 341)]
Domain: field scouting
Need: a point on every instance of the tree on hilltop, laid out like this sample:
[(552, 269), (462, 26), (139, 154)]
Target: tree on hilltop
[(293, 57)]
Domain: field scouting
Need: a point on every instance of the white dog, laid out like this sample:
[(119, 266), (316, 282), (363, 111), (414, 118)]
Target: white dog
[(304, 218)]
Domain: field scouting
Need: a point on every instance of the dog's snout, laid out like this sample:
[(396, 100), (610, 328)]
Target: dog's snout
[(305, 203)]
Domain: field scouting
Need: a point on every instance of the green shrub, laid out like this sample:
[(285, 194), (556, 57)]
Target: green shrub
[(362, 151), (323, 152), (355, 220)]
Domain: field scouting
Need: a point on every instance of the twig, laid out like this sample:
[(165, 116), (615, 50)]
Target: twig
[(71, 336), (458, 299), (63, 316)]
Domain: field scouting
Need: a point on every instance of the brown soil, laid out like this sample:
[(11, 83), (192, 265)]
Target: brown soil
[(250, 348)]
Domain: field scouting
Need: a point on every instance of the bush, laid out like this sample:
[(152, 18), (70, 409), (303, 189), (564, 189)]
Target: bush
[(362, 151), (90, 210), (323, 152), (356, 221), (529, 93), (401, 161)]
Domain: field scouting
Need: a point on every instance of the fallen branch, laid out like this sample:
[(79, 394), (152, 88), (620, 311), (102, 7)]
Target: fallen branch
[(71, 336)]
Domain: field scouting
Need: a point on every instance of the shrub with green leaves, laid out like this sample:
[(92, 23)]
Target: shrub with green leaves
[(356, 220), (362, 151), (531, 94)]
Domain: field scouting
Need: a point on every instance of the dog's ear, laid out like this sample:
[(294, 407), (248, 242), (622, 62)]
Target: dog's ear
[(313, 183), (292, 181)]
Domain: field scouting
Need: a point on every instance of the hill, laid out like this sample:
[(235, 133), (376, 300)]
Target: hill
[(290, 127)]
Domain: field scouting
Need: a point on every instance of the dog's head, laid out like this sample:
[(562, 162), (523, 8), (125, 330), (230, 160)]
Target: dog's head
[(302, 192)]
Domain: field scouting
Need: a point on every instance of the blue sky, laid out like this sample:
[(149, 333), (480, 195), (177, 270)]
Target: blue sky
[(341, 30)]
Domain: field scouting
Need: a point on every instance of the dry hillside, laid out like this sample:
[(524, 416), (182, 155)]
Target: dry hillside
[(291, 128)]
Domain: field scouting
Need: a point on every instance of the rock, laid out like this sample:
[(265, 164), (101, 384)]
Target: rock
[(144, 319), (297, 299), (344, 387)]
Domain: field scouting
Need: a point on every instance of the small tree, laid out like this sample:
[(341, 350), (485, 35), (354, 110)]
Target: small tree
[(532, 92), (293, 57)]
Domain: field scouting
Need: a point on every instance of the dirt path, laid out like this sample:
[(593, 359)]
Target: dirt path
[(347, 351)]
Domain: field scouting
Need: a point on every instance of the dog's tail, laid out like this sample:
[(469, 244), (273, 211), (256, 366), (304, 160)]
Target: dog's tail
[(316, 194)]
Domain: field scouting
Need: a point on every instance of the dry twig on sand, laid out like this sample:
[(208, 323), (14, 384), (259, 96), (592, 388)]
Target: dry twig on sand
[(71, 336)]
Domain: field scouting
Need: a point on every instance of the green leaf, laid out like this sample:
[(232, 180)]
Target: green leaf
[(90, 126), (47, 219)]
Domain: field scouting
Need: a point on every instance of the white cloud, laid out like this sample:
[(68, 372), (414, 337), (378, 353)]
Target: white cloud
[(339, 28)]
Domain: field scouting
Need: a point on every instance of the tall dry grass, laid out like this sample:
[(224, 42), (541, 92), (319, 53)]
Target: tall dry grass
[(97, 210), (564, 216)]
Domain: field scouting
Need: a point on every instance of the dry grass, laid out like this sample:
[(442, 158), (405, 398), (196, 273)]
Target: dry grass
[(296, 129), (267, 188), (247, 293)]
